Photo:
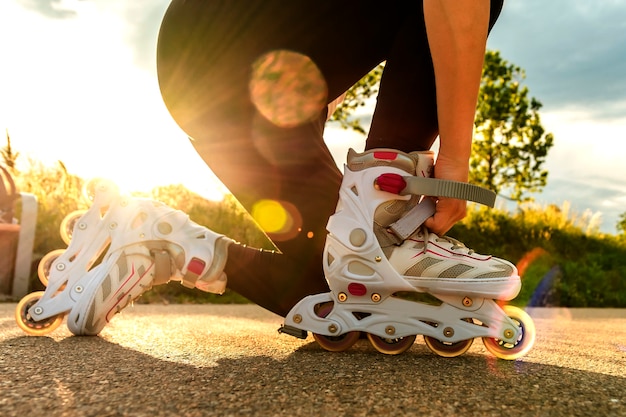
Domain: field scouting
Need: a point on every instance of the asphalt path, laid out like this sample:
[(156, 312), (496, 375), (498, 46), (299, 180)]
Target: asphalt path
[(205, 360)]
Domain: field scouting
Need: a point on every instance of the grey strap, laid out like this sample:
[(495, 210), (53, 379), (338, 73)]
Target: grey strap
[(435, 187), (162, 267), (413, 219)]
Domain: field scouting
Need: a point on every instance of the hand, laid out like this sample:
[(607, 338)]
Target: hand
[(448, 210)]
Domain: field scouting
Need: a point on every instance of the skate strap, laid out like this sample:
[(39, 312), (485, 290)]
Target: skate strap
[(413, 219), (435, 187), (452, 189)]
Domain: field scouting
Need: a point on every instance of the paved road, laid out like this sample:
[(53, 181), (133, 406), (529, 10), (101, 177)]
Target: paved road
[(229, 360)]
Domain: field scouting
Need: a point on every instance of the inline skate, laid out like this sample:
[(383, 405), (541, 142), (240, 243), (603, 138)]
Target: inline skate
[(391, 279), (118, 249)]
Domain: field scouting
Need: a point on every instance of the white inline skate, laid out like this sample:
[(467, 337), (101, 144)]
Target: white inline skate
[(118, 249), (392, 280)]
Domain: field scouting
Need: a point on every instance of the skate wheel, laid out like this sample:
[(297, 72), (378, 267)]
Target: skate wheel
[(68, 223), (511, 351), (334, 343), (337, 343), (30, 326), (391, 346), (446, 349), (45, 265)]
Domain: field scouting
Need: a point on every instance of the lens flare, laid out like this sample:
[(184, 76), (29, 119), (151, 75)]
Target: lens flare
[(270, 215), (287, 88), (281, 220)]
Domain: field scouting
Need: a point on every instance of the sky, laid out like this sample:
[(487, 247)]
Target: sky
[(78, 84)]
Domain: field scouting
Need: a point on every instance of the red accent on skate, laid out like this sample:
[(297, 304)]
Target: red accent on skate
[(108, 316), (196, 266), (392, 183), (357, 289), (388, 156), (445, 253)]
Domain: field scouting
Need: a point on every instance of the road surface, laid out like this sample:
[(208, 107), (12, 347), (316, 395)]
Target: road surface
[(205, 360)]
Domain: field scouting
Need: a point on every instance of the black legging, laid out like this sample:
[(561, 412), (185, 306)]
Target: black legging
[(204, 58)]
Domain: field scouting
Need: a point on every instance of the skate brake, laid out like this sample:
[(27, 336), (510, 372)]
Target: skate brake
[(292, 331)]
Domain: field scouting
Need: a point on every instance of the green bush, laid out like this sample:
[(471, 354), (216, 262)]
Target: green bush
[(592, 266)]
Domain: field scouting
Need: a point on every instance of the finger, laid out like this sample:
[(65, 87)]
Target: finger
[(438, 224)]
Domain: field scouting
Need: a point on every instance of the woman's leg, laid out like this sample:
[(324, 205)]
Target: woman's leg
[(205, 56)]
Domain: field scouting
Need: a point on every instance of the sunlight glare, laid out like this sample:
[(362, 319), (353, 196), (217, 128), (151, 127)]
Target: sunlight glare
[(70, 92)]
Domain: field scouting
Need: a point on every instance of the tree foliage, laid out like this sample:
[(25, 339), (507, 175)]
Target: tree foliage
[(510, 144), (357, 97), (621, 223)]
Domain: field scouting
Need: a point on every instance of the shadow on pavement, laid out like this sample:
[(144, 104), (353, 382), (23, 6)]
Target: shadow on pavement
[(78, 376)]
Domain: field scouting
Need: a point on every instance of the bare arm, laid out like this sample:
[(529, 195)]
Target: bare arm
[(457, 35)]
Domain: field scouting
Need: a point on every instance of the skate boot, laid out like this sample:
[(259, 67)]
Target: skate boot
[(392, 279), (119, 249)]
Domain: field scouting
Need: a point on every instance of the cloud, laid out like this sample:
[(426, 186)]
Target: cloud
[(595, 194), (573, 51), (50, 8), (144, 20)]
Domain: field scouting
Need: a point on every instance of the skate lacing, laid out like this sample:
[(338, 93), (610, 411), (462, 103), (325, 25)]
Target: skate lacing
[(456, 245)]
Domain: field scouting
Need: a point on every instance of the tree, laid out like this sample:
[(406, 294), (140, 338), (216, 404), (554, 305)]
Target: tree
[(621, 224), (357, 97), (510, 144)]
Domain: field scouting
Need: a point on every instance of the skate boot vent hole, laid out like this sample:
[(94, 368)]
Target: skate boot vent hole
[(323, 309), (331, 259), (139, 220), (418, 297), (360, 315), (70, 259), (359, 268), (354, 190)]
